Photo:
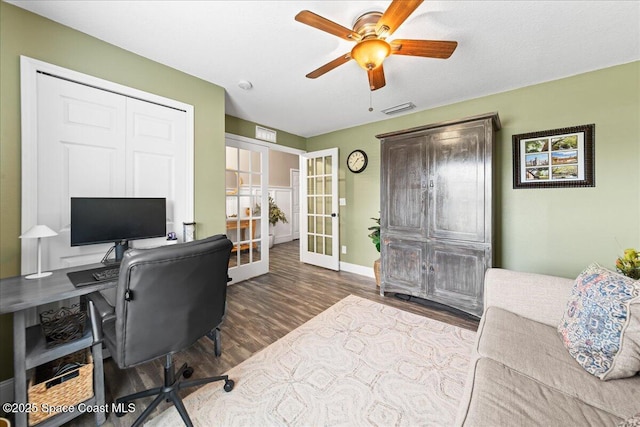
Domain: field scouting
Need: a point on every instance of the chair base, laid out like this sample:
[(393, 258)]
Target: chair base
[(173, 384)]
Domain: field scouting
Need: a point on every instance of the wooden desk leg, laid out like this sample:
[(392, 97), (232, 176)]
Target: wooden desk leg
[(19, 365), (98, 381)]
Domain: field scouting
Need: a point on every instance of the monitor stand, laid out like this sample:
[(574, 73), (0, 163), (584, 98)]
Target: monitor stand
[(120, 248)]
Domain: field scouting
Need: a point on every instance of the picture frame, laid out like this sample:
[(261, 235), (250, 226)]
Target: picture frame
[(554, 158)]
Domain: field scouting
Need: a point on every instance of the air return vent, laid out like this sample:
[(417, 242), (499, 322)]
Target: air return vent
[(265, 134), (399, 108)]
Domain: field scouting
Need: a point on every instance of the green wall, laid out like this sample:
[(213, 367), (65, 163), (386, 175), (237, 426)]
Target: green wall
[(553, 231), (24, 33), (247, 128)]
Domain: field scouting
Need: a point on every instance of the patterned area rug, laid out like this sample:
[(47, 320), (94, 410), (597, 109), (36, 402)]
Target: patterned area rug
[(357, 363)]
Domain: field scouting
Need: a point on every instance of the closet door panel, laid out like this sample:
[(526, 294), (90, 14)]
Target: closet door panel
[(156, 161), (80, 148)]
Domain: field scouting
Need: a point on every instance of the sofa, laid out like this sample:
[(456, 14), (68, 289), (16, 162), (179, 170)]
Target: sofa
[(521, 373)]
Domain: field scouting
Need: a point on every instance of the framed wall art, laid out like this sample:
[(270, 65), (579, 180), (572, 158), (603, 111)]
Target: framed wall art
[(554, 158)]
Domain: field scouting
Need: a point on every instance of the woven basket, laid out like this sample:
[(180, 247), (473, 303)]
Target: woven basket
[(68, 389), (63, 325)]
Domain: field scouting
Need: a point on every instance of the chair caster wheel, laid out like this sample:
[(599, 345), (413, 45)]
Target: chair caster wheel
[(120, 404), (187, 372), (228, 385)]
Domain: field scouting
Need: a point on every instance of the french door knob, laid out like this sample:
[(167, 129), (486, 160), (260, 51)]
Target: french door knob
[(333, 215)]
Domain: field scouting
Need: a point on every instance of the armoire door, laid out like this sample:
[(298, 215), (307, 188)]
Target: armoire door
[(404, 187), (457, 184), (403, 266), (455, 274)]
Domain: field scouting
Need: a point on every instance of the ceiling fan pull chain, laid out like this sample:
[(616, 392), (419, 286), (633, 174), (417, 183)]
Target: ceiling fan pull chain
[(370, 101)]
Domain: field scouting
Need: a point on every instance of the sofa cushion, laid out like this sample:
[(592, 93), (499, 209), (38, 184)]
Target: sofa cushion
[(601, 325), (536, 350), (501, 396)]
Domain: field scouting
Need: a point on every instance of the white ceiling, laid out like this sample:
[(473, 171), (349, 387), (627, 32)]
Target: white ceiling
[(502, 45)]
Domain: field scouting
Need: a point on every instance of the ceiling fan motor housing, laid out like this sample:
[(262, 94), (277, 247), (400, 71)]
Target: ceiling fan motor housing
[(371, 50)]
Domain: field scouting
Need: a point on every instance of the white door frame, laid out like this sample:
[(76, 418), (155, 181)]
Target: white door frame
[(29, 68)]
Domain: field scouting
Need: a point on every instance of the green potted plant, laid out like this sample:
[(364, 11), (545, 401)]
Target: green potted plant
[(375, 238), (629, 264), (275, 215)]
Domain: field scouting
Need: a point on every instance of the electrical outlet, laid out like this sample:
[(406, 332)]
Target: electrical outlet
[(344, 249)]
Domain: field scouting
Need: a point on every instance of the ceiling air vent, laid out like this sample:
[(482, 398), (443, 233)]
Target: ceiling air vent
[(399, 108), (265, 134)]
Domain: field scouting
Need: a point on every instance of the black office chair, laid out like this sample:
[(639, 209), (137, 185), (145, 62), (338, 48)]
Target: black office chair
[(166, 299)]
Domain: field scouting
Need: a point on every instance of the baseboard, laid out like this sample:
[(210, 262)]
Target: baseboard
[(6, 391), (357, 269), (282, 239)]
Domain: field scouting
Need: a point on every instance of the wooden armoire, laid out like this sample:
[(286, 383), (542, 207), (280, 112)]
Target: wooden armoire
[(436, 211)]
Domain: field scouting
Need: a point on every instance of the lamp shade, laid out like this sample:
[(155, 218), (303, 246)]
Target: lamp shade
[(370, 53), (38, 231)]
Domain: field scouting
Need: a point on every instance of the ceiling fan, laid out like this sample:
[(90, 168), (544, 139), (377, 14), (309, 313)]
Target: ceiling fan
[(370, 32)]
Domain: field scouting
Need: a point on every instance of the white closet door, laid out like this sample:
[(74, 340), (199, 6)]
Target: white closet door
[(94, 143), (81, 153), (155, 152)]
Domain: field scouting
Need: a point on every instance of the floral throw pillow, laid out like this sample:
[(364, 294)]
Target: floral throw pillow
[(601, 324)]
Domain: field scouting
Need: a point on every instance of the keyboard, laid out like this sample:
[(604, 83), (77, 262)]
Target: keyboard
[(111, 273)]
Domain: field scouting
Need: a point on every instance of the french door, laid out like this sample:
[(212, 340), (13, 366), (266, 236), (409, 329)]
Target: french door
[(319, 228), (247, 208)]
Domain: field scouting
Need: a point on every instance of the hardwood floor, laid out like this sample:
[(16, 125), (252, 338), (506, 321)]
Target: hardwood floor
[(259, 312)]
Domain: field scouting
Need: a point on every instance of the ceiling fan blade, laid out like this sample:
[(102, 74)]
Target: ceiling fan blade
[(330, 66), (427, 48), (317, 21), (376, 78), (395, 15)]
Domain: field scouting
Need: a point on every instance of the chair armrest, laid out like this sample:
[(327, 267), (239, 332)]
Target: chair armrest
[(535, 296), (100, 311)]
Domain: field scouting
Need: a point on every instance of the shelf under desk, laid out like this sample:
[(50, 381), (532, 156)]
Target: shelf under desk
[(36, 350)]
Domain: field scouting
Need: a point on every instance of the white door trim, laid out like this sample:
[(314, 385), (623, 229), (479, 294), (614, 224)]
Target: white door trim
[(29, 68), (269, 145)]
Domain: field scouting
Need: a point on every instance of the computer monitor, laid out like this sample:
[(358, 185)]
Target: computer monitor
[(116, 220)]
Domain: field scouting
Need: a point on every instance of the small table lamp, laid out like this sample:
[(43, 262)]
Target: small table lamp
[(38, 232)]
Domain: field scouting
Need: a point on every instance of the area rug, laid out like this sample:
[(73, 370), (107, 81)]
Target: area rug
[(359, 363)]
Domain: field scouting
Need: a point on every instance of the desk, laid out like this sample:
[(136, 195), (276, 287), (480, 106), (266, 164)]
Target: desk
[(243, 225), (17, 295)]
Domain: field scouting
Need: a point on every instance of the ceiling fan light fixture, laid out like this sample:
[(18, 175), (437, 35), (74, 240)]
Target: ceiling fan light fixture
[(370, 53)]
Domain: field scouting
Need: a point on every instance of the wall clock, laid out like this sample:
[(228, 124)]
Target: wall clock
[(357, 161)]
